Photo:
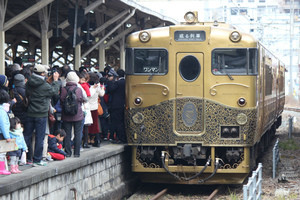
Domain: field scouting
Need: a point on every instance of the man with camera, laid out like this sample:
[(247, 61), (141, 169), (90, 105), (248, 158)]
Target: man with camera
[(39, 93)]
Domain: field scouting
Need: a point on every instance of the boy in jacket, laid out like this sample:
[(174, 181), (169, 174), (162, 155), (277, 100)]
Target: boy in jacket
[(55, 145)]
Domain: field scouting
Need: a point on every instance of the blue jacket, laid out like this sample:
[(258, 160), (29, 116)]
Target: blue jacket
[(20, 141), (4, 123)]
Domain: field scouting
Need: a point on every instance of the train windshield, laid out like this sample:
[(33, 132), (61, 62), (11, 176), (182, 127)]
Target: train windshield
[(234, 61), (146, 61)]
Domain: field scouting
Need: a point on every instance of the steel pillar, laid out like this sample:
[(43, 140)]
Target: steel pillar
[(101, 58), (122, 53), (45, 48), (2, 52), (77, 57)]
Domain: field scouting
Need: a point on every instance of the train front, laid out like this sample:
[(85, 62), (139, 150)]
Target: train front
[(191, 103)]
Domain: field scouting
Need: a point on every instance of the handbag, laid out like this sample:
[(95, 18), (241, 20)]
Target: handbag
[(51, 119), (100, 109)]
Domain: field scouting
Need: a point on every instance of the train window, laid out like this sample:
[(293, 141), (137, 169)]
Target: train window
[(146, 61), (234, 61), (189, 68)]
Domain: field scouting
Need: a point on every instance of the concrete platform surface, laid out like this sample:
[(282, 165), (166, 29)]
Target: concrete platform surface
[(32, 175)]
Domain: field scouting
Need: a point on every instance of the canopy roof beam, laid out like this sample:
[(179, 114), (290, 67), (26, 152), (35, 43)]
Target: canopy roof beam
[(28, 12), (108, 34)]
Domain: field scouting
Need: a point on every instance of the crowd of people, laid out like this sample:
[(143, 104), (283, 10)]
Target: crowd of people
[(55, 112)]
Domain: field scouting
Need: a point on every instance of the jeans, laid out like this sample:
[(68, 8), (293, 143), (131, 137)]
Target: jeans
[(39, 125), (67, 126)]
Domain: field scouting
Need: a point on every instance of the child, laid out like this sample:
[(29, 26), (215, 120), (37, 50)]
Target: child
[(4, 127), (55, 146), (16, 131)]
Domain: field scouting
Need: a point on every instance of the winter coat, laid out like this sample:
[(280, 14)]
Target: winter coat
[(19, 109), (116, 91), (52, 145), (79, 116), (95, 93), (4, 123), (39, 93), (20, 141)]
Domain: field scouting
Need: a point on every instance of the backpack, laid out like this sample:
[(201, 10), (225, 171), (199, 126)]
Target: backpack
[(70, 105)]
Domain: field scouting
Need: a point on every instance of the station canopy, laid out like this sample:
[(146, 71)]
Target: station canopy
[(97, 20)]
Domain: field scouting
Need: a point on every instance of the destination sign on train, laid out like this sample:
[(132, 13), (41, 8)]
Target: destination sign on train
[(187, 36)]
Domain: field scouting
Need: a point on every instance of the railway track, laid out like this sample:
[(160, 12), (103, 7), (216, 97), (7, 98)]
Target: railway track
[(186, 192)]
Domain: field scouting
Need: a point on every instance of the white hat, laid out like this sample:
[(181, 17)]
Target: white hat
[(72, 77), (40, 68)]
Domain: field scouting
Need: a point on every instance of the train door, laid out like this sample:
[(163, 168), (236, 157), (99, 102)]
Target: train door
[(189, 93)]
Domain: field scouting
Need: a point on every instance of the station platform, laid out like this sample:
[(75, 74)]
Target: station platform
[(99, 173)]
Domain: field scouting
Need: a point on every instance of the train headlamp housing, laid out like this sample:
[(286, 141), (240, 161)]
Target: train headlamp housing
[(241, 119), (144, 36), (235, 36), (242, 102), (138, 101), (230, 132), (138, 118), (191, 17)]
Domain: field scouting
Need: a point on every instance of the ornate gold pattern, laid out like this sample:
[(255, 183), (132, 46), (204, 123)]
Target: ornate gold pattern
[(183, 127), (157, 128)]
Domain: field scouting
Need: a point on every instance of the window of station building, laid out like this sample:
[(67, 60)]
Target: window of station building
[(146, 61), (234, 11), (234, 62), (243, 11)]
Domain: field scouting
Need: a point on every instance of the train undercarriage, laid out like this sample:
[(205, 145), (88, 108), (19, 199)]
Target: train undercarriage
[(197, 164), (192, 164)]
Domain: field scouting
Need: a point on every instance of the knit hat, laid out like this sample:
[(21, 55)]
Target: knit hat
[(40, 68), (19, 80), (16, 67), (112, 72), (3, 80), (72, 77)]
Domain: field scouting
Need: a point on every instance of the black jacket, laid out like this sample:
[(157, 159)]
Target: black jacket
[(116, 91)]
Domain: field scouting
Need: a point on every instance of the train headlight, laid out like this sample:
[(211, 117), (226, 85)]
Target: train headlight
[(225, 132), (190, 17), (138, 118), (242, 102), (241, 119), (230, 132), (144, 36), (138, 101), (235, 36)]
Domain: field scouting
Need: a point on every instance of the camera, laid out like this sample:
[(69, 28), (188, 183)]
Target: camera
[(51, 71)]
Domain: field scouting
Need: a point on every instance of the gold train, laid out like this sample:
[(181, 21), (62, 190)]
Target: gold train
[(202, 102)]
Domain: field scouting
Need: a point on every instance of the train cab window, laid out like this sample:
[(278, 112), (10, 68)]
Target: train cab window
[(234, 61), (146, 61), (189, 68)]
